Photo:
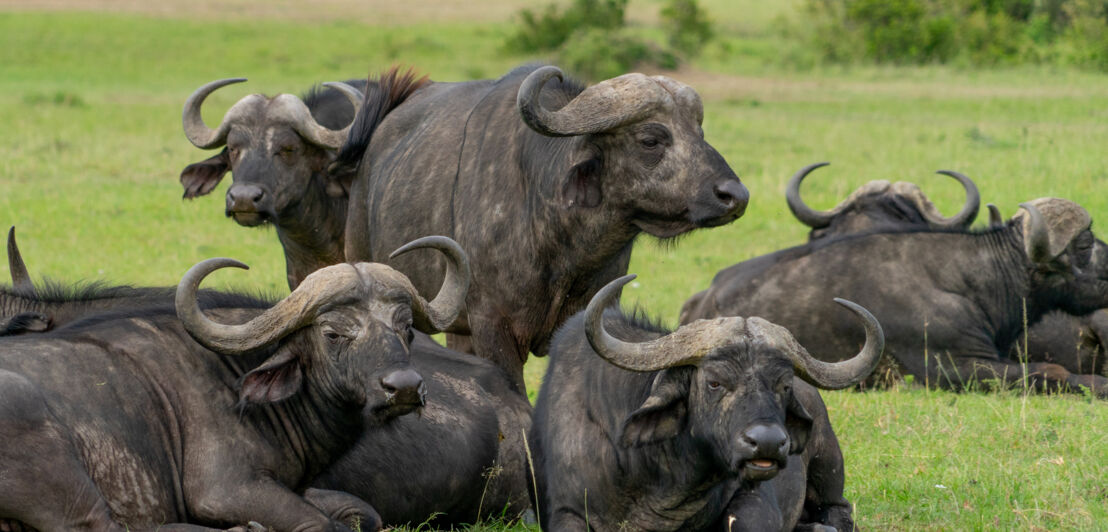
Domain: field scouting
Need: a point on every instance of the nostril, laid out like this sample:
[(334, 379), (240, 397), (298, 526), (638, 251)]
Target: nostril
[(731, 193), (404, 384), (258, 196)]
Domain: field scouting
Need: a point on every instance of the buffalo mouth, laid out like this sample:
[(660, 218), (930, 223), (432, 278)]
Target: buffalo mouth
[(248, 218), (664, 227), (759, 469), (391, 410)]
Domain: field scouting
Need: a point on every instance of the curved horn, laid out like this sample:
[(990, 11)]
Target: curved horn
[(21, 280), (1036, 240), (601, 107), (199, 134), (838, 375), (807, 216), (685, 346), (995, 219), (289, 314), (440, 313), (331, 138), (969, 208)]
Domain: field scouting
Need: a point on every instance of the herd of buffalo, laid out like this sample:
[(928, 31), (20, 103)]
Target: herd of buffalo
[(506, 211)]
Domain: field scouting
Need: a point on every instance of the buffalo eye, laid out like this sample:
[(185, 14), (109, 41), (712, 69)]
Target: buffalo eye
[(402, 324), (714, 385)]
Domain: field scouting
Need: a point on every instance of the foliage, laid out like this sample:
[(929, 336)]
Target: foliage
[(687, 26), (971, 32), (592, 37)]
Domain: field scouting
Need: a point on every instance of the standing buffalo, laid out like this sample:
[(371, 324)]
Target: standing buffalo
[(637, 428), (545, 183), (952, 301), (122, 421), (471, 427), (281, 152)]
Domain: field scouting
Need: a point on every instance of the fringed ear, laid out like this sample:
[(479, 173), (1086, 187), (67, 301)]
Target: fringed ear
[(340, 177), (277, 379), (201, 178), (24, 322), (664, 412), (798, 423), (582, 186)]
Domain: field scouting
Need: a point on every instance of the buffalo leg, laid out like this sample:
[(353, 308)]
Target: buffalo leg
[(345, 508), (494, 342), (43, 484), (260, 499), (1040, 376)]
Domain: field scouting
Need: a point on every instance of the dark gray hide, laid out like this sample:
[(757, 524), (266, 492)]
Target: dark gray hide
[(471, 427), (547, 207), (956, 295), (278, 151), (700, 437), (123, 421), (462, 459)]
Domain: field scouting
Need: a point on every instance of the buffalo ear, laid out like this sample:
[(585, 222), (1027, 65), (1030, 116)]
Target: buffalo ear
[(582, 186), (340, 177), (798, 422), (664, 412), (278, 378), (25, 322), (202, 177)]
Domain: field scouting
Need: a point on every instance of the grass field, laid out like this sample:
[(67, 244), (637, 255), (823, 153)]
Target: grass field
[(91, 146)]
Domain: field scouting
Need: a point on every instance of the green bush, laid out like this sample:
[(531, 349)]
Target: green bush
[(971, 32), (591, 37)]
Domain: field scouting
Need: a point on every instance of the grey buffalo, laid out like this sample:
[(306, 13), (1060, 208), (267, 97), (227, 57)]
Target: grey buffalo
[(134, 419), (952, 301), (471, 427), (1073, 342), (545, 183), (280, 152), (638, 428)]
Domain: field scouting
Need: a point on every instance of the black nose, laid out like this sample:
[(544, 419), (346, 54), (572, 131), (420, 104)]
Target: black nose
[(767, 441), (404, 387), (244, 197), (732, 194)]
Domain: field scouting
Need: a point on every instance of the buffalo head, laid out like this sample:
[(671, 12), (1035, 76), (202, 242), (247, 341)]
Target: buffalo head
[(879, 204), (640, 149), (273, 147), (727, 383), (346, 329), (1070, 263)]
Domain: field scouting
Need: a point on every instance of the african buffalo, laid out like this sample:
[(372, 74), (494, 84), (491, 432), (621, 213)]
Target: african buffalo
[(952, 301), (280, 152), (133, 419), (1073, 342), (545, 183), (638, 428), (471, 427), (879, 205)]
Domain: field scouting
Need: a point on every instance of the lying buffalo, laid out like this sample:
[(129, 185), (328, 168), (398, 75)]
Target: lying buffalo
[(952, 301), (879, 205), (545, 183), (471, 427), (122, 421), (1073, 342), (637, 428)]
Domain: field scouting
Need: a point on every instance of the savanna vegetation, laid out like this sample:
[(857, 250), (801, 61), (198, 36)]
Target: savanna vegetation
[(91, 144)]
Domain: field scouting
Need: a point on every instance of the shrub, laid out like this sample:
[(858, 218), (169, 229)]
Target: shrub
[(600, 54), (551, 28), (687, 26)]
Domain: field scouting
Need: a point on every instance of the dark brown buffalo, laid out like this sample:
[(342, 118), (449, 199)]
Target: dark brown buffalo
[(134, 419), (546, 184), (951, 301), (280, 152), (639, 428), (471, 428)]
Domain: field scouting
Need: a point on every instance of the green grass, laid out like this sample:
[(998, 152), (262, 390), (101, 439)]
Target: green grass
[(92, 145)]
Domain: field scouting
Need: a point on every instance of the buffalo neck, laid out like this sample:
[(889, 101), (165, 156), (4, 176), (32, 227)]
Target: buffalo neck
[(311, 231)]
